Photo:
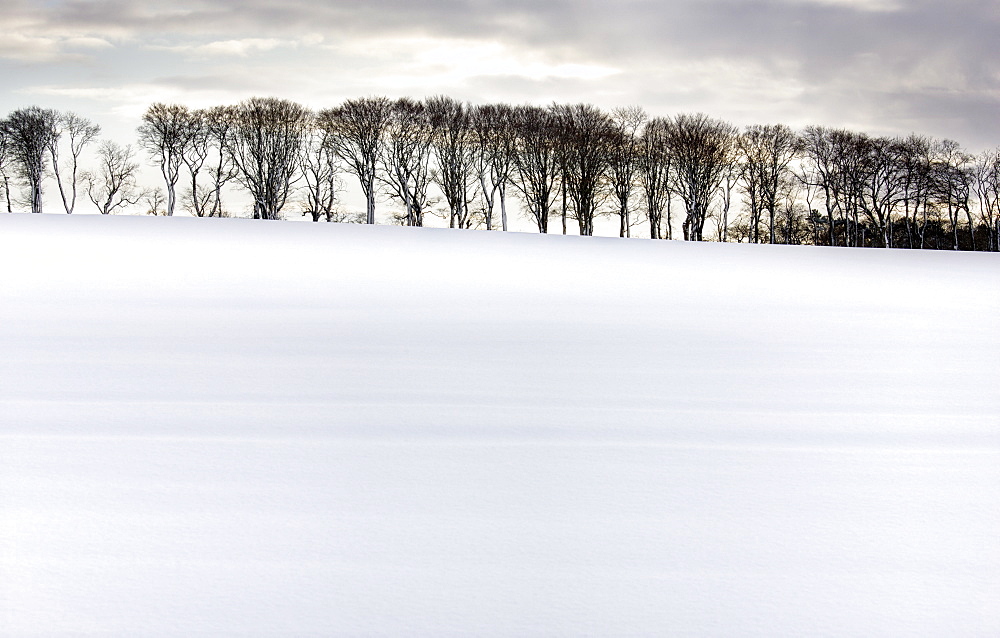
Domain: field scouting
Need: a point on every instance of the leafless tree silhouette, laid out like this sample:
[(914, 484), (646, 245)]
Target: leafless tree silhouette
[(30, 133), (321, 172), (358, 128), (654, 173), (987, 186), (78, 132), (495, 145), (113, 186), (586, 135), (406, 158), (701, 148), (265, 145), (166, 133), (623, 161), (765, 153), (453, 140), (536, 161)]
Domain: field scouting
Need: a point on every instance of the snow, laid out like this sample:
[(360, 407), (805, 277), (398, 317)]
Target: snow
[(229, 427)]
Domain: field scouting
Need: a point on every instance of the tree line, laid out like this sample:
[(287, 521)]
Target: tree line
[(475, 165)]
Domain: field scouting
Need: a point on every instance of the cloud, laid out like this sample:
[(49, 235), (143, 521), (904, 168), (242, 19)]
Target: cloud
[(857, 5), (825, 61), (242, 47), (21, 47), (128, 101), (87, 42), (420, 62), (822, 34), (23, 42)]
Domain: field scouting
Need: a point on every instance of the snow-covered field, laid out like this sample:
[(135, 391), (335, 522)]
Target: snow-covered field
[(228, 427)]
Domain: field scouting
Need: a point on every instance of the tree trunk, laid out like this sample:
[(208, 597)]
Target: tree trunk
[(370, 201), (503, 209), (6, 190), (972, 227), (36, 197), (670, 223), (563, 189)]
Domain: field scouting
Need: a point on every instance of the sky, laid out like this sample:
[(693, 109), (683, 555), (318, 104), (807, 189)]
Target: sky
[(881, 66)]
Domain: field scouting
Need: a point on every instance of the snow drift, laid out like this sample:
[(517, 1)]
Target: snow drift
[(227, 427)]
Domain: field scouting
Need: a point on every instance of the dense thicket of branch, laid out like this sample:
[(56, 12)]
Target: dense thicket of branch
[(266, 145), (536, 161), (988, 192), (495, 143), (585, 135), (358, 128), (623, 161), (30, 133), (765, 153), (406, 158), (654, 173), (701, 150), (452, 137)]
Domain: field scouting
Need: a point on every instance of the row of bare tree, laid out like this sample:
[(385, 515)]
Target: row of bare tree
[(764, 184), (30, 138)]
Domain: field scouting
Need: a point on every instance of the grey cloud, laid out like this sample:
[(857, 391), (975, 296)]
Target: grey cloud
[(691, 27), (925, 62), (822, 37)]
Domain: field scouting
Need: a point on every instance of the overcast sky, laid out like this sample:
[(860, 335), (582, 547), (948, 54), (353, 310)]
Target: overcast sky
[(883, 66)]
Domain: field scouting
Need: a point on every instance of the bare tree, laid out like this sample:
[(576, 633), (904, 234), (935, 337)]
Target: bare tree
[(953, 176), (562, 163), (987, 185), (406, 158), (165, 134), (834, 159), (495, 145), (113, 186), (765, 154), (195, 155), (218, 122), (30, 132), (864, 181), (623, 161), (853, 176), (791, 217), (154, 199), (321, 171), (587, 134), (78, 132), (452, 137), (654, 174), (265, 145), (358, 128), (883, 184), (701, 149), (818, 169), (536, 161), (4, 160), (915, 184), (729, 180)]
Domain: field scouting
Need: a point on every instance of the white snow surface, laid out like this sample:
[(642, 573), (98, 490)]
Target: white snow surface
[(239, 428)]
